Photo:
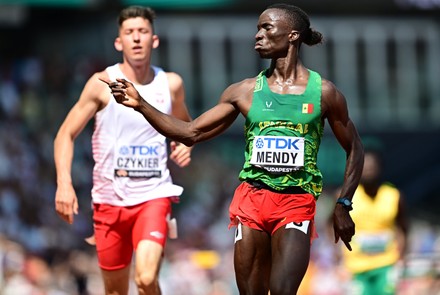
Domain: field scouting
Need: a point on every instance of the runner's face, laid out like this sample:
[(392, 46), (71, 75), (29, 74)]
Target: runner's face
[(272, 38), (371, 170), (136, 38)]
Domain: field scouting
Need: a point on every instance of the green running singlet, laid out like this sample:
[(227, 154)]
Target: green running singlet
[(285, 116)]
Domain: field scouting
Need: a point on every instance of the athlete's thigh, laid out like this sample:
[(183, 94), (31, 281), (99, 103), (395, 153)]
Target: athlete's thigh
[(150, 234), (148, 258), (151, 222), (113, 239), (252, 260), (290, 259), (116, 282)]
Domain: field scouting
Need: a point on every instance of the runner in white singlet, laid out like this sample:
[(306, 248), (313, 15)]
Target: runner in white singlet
[(132, 186)]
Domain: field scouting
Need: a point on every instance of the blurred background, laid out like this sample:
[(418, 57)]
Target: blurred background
[(383, 55)]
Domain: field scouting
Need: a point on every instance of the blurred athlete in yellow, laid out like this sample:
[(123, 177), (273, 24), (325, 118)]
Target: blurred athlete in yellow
[(381, 232)]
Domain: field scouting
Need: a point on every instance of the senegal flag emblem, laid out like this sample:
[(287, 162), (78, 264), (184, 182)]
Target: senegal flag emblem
[(307, 108)]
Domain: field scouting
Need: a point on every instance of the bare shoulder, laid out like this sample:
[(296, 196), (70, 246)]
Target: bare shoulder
[(173, 76), (239, 90), (174, 80), (95, 91), (331, 93), (332, 97), (328, 88), (240, 95), (248, 83)]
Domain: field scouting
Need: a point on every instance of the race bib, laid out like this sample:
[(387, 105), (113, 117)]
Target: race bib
[(278, 154), (137, 161), (374, 243)]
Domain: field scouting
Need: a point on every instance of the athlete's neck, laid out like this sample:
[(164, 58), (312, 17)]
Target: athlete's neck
[(287, 77), (285, 70), (141, 74), (371, 188)]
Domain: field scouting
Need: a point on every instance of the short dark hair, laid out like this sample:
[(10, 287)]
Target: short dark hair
[(300, 21), (136, 11)]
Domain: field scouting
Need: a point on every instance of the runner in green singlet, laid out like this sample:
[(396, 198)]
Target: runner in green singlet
[(285, 107)]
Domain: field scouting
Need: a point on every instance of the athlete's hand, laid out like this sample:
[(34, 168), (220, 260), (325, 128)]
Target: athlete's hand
[(180, 154), (343, 226), (124, 92), (66, 203), (91, 240)]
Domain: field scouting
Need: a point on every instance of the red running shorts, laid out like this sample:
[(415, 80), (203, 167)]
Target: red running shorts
[(265, 210), (118, 230)]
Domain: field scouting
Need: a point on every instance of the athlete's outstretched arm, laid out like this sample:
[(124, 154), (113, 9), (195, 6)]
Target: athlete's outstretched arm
[(208, 125), (91, 99), (336, 112)]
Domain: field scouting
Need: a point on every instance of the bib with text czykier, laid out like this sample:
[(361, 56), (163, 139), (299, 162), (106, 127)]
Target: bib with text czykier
[(137, 161)]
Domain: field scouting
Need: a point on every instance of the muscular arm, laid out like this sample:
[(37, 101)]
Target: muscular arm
[(210, 124), (77, 118), (347, 136), (336, 112)]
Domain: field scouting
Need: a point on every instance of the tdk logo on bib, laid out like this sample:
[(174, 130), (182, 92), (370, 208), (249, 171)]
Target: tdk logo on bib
[(139, 150), (278, 143), (278, 151)]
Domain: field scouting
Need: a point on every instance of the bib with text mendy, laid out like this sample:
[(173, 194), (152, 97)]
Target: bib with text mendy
[(278, 153)]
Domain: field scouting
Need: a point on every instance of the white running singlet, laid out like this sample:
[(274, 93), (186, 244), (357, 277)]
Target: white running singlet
[(130, 155)]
